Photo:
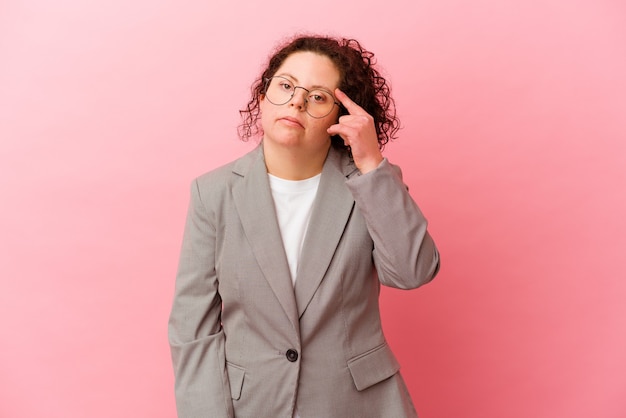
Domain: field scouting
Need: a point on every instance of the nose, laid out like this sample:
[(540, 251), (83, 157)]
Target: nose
[(299, 98)]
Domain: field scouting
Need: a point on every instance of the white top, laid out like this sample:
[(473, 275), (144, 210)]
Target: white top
[(293, 200)]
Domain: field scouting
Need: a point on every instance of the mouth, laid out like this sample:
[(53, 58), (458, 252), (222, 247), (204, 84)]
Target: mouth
[(291, 121)]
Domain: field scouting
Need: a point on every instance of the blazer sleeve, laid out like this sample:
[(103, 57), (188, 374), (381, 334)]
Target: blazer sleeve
[(404, 253), (195, 334)]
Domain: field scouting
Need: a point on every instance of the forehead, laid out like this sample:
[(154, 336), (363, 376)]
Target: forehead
[(310, 69)]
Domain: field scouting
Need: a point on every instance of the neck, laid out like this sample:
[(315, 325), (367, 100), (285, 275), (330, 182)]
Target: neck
[(293, 163)]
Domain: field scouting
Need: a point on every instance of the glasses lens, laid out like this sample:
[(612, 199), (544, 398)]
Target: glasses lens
[(279, 90), (319, 103)]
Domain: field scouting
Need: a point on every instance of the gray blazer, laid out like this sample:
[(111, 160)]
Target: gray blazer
[(246, 343)]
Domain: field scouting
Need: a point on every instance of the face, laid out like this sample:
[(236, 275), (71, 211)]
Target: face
[(289, 125)]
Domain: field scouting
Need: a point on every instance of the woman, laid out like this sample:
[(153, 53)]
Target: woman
[(276, 307)]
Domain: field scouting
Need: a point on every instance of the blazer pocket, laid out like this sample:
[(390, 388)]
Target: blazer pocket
[(373, 366), (235, 378)]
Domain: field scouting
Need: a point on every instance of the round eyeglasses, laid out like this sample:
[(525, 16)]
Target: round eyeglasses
[(318, 102)]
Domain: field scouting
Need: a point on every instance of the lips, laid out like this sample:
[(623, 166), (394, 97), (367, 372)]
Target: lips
[(288, 120)]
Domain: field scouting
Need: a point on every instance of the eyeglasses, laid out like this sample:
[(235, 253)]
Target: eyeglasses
[(318, 102)]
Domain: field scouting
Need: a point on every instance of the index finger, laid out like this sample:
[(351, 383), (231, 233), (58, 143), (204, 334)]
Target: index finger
[(351, 107)]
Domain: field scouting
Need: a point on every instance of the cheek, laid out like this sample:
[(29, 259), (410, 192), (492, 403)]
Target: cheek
[(331, 119), (322, 126)]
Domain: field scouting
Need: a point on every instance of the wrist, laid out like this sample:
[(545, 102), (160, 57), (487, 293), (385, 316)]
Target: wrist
[(369, 165)]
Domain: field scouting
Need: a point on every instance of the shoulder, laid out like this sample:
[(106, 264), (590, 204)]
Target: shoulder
[(213, 189), (221, 177)]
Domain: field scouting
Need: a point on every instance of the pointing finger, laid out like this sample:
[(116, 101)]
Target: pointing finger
[(351, 107)]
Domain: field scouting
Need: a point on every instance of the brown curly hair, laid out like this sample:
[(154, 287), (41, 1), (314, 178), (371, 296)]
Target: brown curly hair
[(359, 79)]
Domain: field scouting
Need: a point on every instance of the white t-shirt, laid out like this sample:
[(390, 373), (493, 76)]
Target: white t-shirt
[(293, 200)]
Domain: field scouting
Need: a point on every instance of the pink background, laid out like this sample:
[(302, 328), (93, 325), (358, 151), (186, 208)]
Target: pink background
[(514, 145)]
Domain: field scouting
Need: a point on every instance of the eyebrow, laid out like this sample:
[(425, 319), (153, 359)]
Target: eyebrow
[(316, 86)]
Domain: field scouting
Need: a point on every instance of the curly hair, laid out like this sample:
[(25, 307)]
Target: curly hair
[(359, 79)]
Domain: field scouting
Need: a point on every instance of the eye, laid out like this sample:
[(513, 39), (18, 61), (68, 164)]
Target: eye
[(318, 97), (286, 86)]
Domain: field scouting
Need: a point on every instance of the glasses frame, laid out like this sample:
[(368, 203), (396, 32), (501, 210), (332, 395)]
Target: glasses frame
[(268, 80)]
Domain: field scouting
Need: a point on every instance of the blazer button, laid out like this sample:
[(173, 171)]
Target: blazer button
[(292, 355)]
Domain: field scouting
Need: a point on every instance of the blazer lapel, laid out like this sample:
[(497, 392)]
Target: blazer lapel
[(253, 199), (331, 211)]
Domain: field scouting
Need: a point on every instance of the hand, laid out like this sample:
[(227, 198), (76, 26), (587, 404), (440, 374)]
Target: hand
[(359, 133)]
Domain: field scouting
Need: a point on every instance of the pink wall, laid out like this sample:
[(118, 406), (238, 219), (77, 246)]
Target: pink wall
[(513, 144)]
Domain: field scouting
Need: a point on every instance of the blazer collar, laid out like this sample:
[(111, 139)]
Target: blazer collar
[(331, 211), (332, 208), (255, 206)]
